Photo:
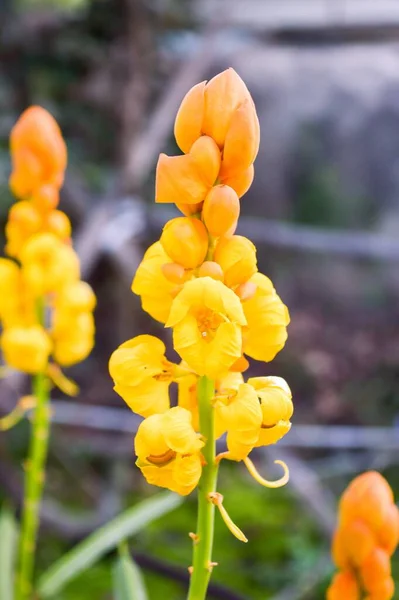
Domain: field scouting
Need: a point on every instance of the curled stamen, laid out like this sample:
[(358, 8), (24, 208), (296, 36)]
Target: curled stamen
[(66, 385), (269, 484), (217, 500), (17, 414)]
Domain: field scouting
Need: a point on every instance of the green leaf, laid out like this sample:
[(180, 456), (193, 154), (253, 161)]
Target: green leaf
[(128, 580), (8, 545), (88, 552)]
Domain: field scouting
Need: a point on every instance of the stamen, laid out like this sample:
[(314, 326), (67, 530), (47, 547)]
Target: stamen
[(162, 459), (18, 413), (269, 484), (66, 385), (217, 500)]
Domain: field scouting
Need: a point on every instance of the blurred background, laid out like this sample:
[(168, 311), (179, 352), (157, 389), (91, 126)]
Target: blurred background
[(323, 211)]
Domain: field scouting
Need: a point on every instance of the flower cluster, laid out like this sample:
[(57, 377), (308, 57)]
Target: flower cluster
[(365, 539), (45, 310), (202, 281)]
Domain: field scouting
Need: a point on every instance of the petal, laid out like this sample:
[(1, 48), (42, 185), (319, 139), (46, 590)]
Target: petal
[(223, 350), (189, 118), (275, 398), (271, 435), (187, 397), (178, 179), (237, 257), (137, 360), (242, 140), (179, 432), (206, 155), (160, 476), (147, 398), (186, 473), (240, 181), (150, 440)]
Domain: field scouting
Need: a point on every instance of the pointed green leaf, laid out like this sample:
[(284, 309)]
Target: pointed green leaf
[(88, 552), (128, 580), (8, 545)]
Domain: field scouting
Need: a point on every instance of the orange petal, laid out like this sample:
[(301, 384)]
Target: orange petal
[(189, 118)]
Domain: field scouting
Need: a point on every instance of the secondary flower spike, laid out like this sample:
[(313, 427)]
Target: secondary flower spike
[(367, 535), (201, 281)]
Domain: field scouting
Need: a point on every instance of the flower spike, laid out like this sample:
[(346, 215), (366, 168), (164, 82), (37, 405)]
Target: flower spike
[(269, 484), (217, 500)]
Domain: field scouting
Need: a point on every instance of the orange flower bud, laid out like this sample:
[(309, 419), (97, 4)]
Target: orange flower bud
[(368, 497), (58, 223), (211, 269), (46, 198), (383, 591), (221, 210), (237, 257), (242, 140), (240, 181), (38, 152), (359, 541), (23, 222), (388, 534), (206, 155), (339, 551), (343, 587), (189, 118), (173, 272), (375, 569), (185, 240), (223, 96)]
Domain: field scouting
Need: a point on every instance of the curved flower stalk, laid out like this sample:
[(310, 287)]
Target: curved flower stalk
[(202, 281), (367, 535), (46, 311)]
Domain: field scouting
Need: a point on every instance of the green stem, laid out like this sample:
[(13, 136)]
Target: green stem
[(34, 483), (202, 555)]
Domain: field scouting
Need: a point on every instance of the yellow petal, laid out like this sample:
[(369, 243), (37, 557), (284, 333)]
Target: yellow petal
[(189, 118), (137, 360), (223, 350), (267, 319), (147, 398), (26, 348), (275, 397), (160, 476), (237, 257), (271, 435), (187, 397), (179, 433), (186, 473), (150, 440)]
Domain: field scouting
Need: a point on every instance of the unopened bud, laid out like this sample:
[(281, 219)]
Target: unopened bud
[(185, 241), (221, 210), (211, 269)]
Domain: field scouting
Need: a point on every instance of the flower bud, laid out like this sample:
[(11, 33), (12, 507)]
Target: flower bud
[(189, 118), (375, 568), (73, 336), (237, 257), (26, 348), (344, 586), (206, 155), (46, 198), (221, 210), (246, 291), (240, 181), (185, 240), (178, 180), (38, 152), (76, 297), (173, 272), (368, 497), (359, 541), (58, 223), (211, 269), (223, 96), (242, 140), (23, 222), (190, 209)]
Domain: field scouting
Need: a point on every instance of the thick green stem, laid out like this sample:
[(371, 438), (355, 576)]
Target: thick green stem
[(34, 482), (203, 543)]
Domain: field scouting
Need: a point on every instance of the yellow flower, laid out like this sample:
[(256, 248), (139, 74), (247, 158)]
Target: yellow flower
[(26, 348), (185, 240), (9, 286), (150, 283), (239, 413), (23, 222), (168, 451), (207, 318), (77, 296), (73, 336), (275, 400), (188, 398), (142, 374), (237, 257), (267, 319), (48, 264)]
